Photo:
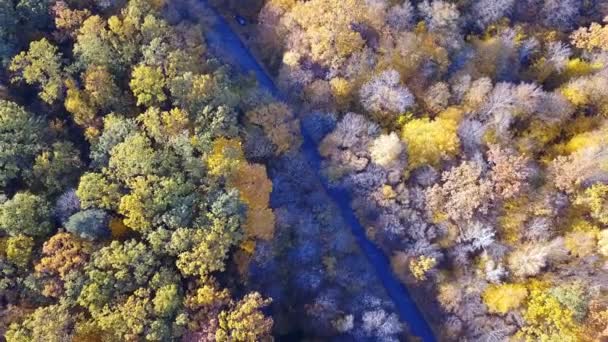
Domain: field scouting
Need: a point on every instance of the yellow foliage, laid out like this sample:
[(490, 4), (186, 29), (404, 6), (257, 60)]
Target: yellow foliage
[(341, 90), (547, 320), (591, 38), (576, 96), (225, 157), (538, 134), (513, 217), (595, 199), (504, 298), (428, 142), (581, 225), (580, 141), (577, 67), (421, 265), (581, 244), (452, 113)]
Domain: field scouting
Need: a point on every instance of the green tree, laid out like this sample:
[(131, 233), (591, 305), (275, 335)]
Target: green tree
[(133, 157), (120, 268), (40, 65), (27, 214), (8, 31), (21, 139), (96, 191), (157, 201), (93, 46), (49, 323), (57, 168)]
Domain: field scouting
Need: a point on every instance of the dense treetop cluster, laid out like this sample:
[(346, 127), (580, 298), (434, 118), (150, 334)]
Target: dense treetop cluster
[(472, 137), (125, 187)]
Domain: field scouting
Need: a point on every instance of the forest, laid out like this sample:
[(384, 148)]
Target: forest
[(152, 189)]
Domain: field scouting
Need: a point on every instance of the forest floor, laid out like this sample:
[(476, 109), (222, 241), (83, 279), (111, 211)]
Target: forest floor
[(227, 44)]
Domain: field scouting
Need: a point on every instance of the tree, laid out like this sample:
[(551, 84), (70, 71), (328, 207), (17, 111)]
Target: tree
[(147, 84), (26, 214), (386, 148), (57, 168), (277, 121), (505, 297), (117, 269), (133, 157), (67, 20), (225, 157), (39, 327), (547, 320), (509, 172), (21, 139), (63, 253), (101, 87), (594, 37), (573, 296), (89, 224), (384, 95), (40, 65), (529, 259), (93, 46), (255, 188), (245, 321), (379, 323), (8, 31), (115, 130), (462, 194), (595, 199), (96, 191), (429, 142), (155, 201), (489, 11), (420, 266), (19, 250)]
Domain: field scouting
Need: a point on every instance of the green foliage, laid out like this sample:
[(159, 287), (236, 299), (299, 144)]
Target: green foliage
[(120, 268), (40, 65), (154, 201), (133, 157), (58, 168), (96, 191), (574, 297), (21, 139), (8, 31), (26, 214), (48, 323)]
